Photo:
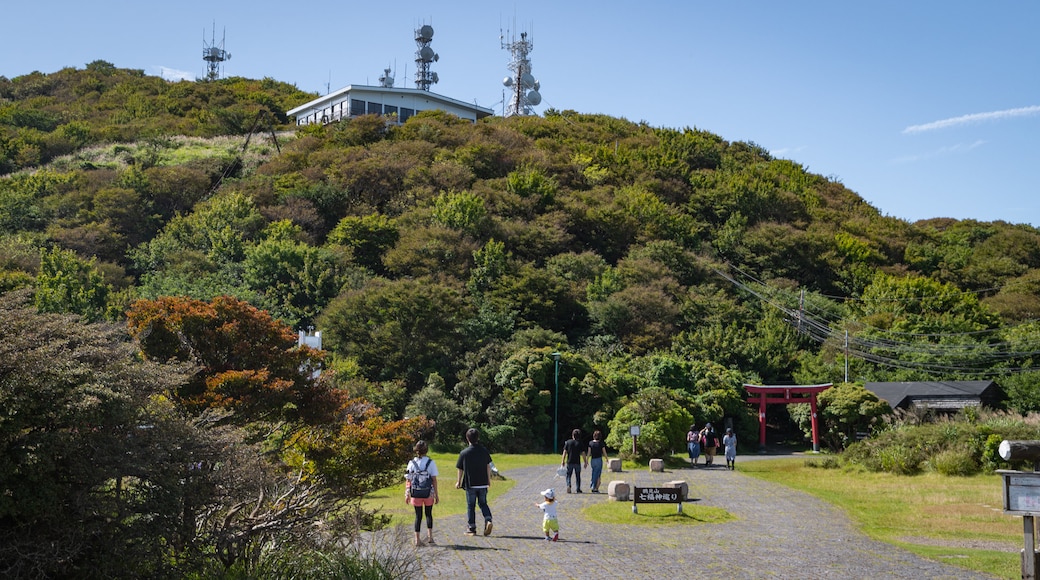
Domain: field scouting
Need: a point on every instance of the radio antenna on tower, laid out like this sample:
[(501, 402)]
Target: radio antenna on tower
[(521, 82), (423, 57), (214, 54)]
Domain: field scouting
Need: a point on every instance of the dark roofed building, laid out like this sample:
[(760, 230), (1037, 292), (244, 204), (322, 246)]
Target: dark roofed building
[(938, 395)]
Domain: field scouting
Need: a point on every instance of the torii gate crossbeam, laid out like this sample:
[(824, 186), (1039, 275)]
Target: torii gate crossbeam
[(765, 394)]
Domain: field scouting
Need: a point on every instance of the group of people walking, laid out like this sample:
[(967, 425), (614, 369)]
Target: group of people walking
[(594, 453), (474, 468), (706, 442)]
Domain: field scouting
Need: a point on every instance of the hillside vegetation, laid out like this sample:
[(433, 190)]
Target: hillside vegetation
[(162, 242), (445, 261)]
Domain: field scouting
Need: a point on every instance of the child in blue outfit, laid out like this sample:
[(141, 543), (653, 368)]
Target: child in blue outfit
[(550, 525)]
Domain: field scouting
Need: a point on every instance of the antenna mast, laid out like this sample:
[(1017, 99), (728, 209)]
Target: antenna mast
[(423, 57), (521, 82), (214, 54)]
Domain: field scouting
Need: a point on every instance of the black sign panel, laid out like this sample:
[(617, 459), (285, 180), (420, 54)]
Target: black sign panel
[(656, 495)]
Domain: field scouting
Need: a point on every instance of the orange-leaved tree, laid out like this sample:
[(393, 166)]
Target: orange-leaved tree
[(248, 362)]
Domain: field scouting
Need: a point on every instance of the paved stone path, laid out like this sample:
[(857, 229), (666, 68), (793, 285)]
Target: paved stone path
[(779, 533)]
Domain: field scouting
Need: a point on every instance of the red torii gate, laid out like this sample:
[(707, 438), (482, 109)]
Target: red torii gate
[(765, 394)]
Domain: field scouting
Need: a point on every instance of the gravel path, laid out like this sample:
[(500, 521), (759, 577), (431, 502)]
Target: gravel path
[(778, 533)]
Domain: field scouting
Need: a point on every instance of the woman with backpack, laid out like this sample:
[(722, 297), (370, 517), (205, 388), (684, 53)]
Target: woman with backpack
[(420, 489)]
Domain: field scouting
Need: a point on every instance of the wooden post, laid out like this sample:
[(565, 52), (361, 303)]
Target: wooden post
[(814, 420), (1029, 553), (1020, 451), (762, 422)]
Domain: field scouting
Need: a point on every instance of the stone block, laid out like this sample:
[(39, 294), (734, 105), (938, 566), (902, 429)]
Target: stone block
[(614, 465), (684, 488), (657, 465), (619, 491)]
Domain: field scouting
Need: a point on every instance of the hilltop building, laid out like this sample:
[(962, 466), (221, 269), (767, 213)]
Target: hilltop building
[(395, 103), (356, 100)]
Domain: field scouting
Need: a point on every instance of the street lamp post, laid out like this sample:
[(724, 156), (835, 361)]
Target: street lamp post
[(556, 411)]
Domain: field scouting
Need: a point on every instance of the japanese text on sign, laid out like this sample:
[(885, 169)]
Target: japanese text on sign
[(656, 495)]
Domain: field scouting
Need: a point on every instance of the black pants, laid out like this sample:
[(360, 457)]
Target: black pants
[(419, 514)]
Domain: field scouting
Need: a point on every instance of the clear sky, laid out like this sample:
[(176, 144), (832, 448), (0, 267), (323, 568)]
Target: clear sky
[(925, 108)]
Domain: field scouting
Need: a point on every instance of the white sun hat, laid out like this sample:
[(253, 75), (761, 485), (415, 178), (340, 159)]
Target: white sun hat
[(549, 493)]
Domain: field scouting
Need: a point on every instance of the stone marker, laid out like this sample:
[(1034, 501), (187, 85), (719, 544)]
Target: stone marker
[(657, 465), (684, 488), (618, 491), (614, 465)]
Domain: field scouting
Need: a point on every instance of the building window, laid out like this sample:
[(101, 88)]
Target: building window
[(375, 108), (405, 113), (357, 107), (389, 110)]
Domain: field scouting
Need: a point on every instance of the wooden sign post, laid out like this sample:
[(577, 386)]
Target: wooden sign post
[(656, 495), (1022, 497)]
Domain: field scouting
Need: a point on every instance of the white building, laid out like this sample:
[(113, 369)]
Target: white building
[(355, 100)]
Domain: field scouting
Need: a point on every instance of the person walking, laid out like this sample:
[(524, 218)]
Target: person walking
[(550, 525), (710, 442), (729, 442), (420, 490), (572, 456), (474, 475), (693, 444), (597, 453)]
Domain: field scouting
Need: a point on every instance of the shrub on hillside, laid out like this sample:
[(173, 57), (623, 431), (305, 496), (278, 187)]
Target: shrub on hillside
[(959, 461)]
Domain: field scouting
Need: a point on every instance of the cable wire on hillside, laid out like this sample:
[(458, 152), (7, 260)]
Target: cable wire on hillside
[(946, 353)]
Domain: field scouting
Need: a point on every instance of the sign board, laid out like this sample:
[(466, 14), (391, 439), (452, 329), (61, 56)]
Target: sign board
[(656, 495), (1021, 492), (634, 430)]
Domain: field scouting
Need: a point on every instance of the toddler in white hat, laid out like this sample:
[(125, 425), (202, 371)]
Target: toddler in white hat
[(550, 525)]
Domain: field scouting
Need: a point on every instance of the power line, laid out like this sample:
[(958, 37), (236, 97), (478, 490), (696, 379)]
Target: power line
[(954, 353)]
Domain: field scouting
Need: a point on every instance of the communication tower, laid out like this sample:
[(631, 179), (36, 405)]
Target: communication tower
[(214, 54), (522, 84), (423, 57)]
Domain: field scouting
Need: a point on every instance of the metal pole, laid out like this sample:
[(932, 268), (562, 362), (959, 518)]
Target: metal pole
[(556, 411), (846, 356)]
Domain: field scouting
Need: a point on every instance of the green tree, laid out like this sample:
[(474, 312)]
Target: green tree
[(397, 329), (293, 279), (67, 283), (368, 237), (844, 410), (663, 420), (462, 211)]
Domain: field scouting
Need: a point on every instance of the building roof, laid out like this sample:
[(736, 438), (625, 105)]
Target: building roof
[(939, 394), (344, 93)]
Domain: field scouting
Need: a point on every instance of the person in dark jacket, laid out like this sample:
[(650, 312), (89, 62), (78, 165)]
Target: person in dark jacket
[(474, 476), (711, 443), (573, 452)]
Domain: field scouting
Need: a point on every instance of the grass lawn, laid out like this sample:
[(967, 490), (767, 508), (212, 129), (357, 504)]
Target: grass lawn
[(620, 512), (949, 519)]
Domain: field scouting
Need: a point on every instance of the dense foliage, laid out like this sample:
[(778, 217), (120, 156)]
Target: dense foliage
[(198, 457), (445, 261)]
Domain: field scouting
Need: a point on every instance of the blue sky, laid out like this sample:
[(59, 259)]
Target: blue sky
[(924, 108)]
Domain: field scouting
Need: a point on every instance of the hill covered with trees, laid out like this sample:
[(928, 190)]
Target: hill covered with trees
[(161, 242), (445, 261)]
